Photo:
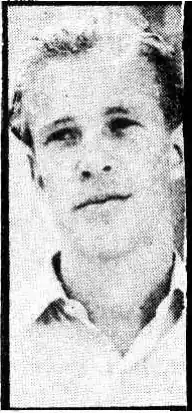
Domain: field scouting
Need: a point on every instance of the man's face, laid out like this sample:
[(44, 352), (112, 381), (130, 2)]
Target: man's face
[(100, 148)]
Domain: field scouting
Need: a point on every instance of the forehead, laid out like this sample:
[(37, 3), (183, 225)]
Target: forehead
[(85, 84)]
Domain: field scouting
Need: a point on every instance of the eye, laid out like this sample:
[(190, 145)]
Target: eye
[(118, 125), (68, 136)]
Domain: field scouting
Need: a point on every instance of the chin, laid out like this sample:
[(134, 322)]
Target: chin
[(108, 242), (110, 235)]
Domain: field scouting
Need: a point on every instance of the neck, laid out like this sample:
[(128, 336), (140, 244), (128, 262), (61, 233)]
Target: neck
[(112, 290)]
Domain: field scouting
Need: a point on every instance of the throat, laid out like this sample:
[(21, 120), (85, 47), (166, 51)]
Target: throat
[(120, 328), (119, 313)]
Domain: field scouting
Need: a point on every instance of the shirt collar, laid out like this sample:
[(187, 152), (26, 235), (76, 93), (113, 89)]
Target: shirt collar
[(167, 315), (172, 305)]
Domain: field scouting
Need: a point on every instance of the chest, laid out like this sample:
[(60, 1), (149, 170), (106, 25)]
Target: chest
[(59, 368)]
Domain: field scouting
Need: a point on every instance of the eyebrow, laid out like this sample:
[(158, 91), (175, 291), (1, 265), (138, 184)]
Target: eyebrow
[(109, 111), (116, 109), (63, 120)]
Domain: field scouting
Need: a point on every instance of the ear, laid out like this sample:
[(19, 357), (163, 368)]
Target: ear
[(176, 155), (35, 175)]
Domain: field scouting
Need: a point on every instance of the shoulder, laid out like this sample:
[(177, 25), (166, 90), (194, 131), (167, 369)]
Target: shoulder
[(40, 360), (41, 338), (168, 363)]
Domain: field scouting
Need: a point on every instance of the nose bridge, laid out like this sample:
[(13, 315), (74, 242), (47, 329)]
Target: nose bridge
[(95, 152), (91, 140)]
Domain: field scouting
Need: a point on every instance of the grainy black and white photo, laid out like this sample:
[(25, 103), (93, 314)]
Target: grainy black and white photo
[(97, 205)]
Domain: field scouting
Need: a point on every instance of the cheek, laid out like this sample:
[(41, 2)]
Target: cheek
[(57, 173), (145, 161), (55, 168), (144, 171), (60, 193)]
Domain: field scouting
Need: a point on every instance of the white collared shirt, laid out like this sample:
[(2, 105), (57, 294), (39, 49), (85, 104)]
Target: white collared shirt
[(70, 363)]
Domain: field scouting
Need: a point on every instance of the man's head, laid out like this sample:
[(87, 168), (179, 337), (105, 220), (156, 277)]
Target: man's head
[(98, 107)]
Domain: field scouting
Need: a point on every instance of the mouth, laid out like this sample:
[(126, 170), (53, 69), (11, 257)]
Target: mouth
[(101, 200)]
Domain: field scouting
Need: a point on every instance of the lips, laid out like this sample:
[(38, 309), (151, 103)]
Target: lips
[(101, 200)]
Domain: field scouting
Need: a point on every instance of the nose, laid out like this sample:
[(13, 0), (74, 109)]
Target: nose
[(95, 161), (87, 172)]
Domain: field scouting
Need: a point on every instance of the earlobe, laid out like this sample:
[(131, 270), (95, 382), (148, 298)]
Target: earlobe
[(177, 154)]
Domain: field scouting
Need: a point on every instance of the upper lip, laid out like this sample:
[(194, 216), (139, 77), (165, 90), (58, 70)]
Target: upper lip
[(101, 199)]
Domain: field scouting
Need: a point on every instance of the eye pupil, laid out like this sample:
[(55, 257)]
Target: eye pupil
[(120, 124), (67, 136)]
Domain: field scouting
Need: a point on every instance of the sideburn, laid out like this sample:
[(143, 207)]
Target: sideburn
[(32, 172), (40, 182), (31, 163)]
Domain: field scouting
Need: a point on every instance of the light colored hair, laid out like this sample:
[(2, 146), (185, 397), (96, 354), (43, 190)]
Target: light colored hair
[(74, 37)]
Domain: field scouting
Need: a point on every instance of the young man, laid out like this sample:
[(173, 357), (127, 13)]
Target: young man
[(99, 105)]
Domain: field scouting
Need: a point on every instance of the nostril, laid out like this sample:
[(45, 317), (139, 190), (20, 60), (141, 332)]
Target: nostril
[(107, 168), (86, 174)]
